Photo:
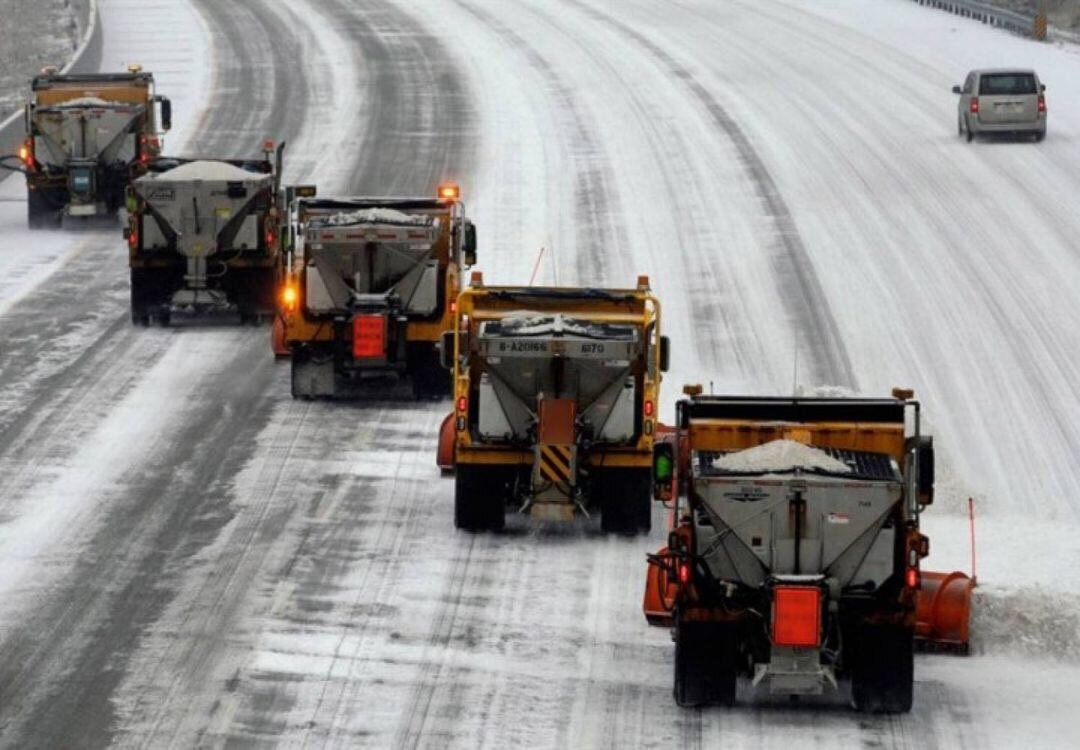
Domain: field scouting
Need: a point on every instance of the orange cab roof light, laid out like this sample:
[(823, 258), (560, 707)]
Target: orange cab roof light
[(450, 192)]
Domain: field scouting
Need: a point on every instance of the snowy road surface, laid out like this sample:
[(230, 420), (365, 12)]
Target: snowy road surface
[(190, 558)]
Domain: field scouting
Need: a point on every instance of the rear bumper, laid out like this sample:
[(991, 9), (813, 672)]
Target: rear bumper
[(1029, 126)]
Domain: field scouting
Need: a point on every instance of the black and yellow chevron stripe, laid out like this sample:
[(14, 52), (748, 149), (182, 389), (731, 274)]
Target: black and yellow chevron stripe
[(555, 463)]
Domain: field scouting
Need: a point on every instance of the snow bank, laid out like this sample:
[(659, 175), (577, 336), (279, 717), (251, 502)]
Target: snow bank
[(1036, 621), (780, 455), (376, 216), (207, 170)]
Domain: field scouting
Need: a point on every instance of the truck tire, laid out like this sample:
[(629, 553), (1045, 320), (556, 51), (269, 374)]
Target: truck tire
[(39, 212), (625, 497), (883, 673), (706, 663), (141, 297), (429, 378), (479, 498)]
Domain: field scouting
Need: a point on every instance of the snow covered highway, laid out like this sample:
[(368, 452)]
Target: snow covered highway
[(191, 558)]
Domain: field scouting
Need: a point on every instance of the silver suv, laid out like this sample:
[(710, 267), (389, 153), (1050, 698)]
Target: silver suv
[(1002, 101)]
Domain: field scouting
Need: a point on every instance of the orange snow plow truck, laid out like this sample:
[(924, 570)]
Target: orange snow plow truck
[(369, 291), (794, 557), (555, 409)]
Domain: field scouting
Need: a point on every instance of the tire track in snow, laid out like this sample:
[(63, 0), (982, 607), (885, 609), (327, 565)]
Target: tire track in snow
[(420, 122), (598, 229), (807, 305)]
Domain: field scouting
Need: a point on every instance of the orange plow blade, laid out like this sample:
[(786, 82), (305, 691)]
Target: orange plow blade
[(943, 615), (659, 595), (444, 456)]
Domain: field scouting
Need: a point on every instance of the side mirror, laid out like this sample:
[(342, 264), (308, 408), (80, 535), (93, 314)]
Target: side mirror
[(446, 350), (665, 353), (166, 114), (926, 469), (957, 90), (663, 471), (924, 459), (470, 244), (1042, 87)]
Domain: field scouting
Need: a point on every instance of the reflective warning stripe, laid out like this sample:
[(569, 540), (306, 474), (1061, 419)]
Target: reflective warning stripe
[(555, 463)]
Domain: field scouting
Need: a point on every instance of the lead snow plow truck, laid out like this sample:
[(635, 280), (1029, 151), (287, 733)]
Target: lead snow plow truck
[(370, 292), (555, 403), (203, 237), (794, 556), (87, 138)]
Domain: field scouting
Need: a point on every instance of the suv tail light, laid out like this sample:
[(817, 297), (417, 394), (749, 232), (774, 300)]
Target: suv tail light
[(974, 106), (1042, 103)]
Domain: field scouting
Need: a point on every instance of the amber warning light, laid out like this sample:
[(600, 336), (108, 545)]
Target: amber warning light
[(288, 298), (449, 191)]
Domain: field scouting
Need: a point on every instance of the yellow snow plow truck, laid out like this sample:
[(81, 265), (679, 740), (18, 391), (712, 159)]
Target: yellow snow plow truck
[(369, 291), (555, 409), (87, 138)]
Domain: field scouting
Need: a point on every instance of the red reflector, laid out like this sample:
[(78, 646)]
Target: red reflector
[(912, 579), (684, 572), (369, 336), (974, 106), (462, 403), (649, 408), (796, 616)]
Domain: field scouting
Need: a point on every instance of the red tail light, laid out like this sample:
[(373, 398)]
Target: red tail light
[(974, 106), (912, 578), (796, 616), (133, 236), (462, 403), (1042, 103), (649, 408), (26, 153), (684, 572)]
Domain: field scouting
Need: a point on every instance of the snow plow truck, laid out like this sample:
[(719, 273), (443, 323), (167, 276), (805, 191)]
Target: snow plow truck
[(369, 291), (794, 557), (203, 237), (87, 137), (556, 393)]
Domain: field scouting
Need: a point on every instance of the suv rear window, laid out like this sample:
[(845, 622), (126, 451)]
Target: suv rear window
[(1007, 84)]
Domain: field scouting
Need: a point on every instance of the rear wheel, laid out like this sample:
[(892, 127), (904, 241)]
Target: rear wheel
[(479, 498), (39, 212), (706, 663), (883, 672), (967, 128), (1039, 136), (429, 378), (625, 499)]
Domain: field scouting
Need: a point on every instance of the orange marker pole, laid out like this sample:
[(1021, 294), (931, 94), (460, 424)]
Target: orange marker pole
[(971, 519), (536, 267)]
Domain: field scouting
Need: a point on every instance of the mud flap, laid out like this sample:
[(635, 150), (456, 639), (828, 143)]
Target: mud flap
[(659, 595), (444, 456), (277, 338)]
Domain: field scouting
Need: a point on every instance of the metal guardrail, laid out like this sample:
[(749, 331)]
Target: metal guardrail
[(87, 59), (1033, 25)]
